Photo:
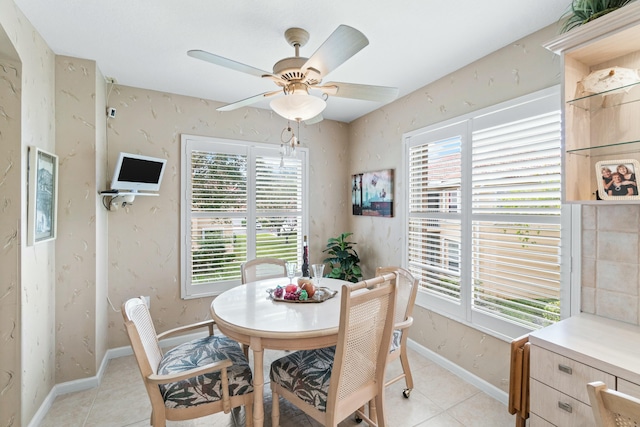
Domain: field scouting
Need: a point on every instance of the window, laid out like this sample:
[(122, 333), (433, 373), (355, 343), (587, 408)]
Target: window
[(486, 233), (241, 200)]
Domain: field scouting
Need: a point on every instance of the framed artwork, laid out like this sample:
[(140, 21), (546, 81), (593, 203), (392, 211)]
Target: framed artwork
[(43, 196), (617, 179), (372, 193)]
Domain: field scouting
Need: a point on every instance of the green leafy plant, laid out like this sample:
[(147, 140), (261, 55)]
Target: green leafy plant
[(583, 11), (342, 259)]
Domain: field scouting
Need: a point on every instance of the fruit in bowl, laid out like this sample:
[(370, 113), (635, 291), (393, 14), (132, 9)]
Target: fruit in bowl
[(310, 288), (303, 280), (291, 289)]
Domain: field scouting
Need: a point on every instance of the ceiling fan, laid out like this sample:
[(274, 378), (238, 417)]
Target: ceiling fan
[(297, 75)]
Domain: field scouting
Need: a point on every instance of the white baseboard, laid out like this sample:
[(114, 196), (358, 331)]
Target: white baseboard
[(493, 391), (91, 382)]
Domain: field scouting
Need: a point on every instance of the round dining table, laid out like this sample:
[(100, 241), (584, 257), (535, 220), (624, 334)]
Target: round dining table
[(250, 316)]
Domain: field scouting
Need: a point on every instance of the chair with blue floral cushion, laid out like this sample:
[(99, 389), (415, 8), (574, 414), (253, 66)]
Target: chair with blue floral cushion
[(332, 383), (406, 290), (194, 379)]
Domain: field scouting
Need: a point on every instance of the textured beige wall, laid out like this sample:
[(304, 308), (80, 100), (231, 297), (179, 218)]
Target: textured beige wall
[(82, 223), (376, 143), (10, 153), (102, 222), (144, 250), (36, 263)]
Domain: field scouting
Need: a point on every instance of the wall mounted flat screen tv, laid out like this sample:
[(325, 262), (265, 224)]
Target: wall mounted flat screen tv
[(135, 172)]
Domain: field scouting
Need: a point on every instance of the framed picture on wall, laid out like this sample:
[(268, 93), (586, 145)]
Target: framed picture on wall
[(372, 193), (617, 179), (42, 204)]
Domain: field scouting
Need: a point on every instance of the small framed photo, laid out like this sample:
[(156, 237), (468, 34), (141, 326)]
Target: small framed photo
[(42, 197), (617, 179)]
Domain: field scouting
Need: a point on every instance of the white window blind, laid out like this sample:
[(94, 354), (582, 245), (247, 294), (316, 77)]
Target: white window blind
[(486, 229), (434, 204), (516, 219), (241, 201)]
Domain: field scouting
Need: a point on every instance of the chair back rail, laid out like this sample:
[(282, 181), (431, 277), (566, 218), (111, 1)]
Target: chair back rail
[(263, 268), (612, 408)]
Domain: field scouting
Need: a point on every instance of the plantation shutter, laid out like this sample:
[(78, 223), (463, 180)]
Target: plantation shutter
[(516, 217), (242, 201), (487, 235), (279, 207), (218, 215), (434, 224)]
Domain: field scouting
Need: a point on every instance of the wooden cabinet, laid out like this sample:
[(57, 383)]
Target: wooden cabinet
[(600, 116), (565, 357)]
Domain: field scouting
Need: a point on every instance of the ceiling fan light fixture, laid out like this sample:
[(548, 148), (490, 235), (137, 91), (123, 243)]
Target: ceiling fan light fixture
[(298, 106)]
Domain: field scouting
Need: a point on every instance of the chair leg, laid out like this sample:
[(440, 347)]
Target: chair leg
[(404, 360), (157, 420), (380, 419), (248, 413), (275, 409)]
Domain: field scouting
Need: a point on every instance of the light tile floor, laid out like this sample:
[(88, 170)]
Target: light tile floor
[(439, 398)]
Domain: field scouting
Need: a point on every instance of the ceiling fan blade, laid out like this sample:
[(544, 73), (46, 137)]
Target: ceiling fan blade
[(227, 63), (341, 45), (358, 91), (247, 101), (314, 120)]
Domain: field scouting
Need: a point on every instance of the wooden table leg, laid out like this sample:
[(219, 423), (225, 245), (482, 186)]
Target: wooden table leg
[(258, 382)]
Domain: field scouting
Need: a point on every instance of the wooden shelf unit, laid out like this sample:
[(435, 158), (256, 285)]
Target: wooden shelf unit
[(602, 126)]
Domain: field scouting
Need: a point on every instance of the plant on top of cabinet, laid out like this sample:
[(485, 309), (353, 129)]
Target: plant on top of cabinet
[(583, 11)]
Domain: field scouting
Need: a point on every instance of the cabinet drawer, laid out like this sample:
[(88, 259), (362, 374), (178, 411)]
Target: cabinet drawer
[(564, 374), (629, 388), (558, 408), (536, 421)]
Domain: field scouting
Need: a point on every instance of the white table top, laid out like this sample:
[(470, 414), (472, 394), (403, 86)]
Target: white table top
[(248, 309)]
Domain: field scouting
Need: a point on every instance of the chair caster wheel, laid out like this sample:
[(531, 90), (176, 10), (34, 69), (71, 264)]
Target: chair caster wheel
[(406, 393)]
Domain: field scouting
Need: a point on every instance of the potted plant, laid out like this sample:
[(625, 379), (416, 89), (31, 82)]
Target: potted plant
[(583, 11), (343, 259)]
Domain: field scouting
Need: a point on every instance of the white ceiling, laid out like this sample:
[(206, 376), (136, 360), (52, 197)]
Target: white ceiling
[(143, 43)]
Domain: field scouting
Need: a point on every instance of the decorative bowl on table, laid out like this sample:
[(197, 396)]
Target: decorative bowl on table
[(296, 294)]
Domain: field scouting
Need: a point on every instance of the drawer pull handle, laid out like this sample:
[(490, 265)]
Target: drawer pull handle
[(566, 369), (564, 406)]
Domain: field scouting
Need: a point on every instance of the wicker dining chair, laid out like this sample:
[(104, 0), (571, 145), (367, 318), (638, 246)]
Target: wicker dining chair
[(612, 408), (330, 384), (406, 290), (194, 379), (263, 268)]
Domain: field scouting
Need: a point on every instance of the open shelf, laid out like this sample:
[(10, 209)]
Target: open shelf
[(619, 148), (609, 98)]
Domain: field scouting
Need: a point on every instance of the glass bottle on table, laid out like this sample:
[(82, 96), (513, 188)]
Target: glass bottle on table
[(305, 258)]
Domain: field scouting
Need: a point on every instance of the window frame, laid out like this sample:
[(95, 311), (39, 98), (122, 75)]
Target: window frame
[(251, 149), (464, 127)]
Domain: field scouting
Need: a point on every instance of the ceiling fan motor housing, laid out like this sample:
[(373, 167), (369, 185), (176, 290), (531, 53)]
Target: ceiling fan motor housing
[(290, 70)]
